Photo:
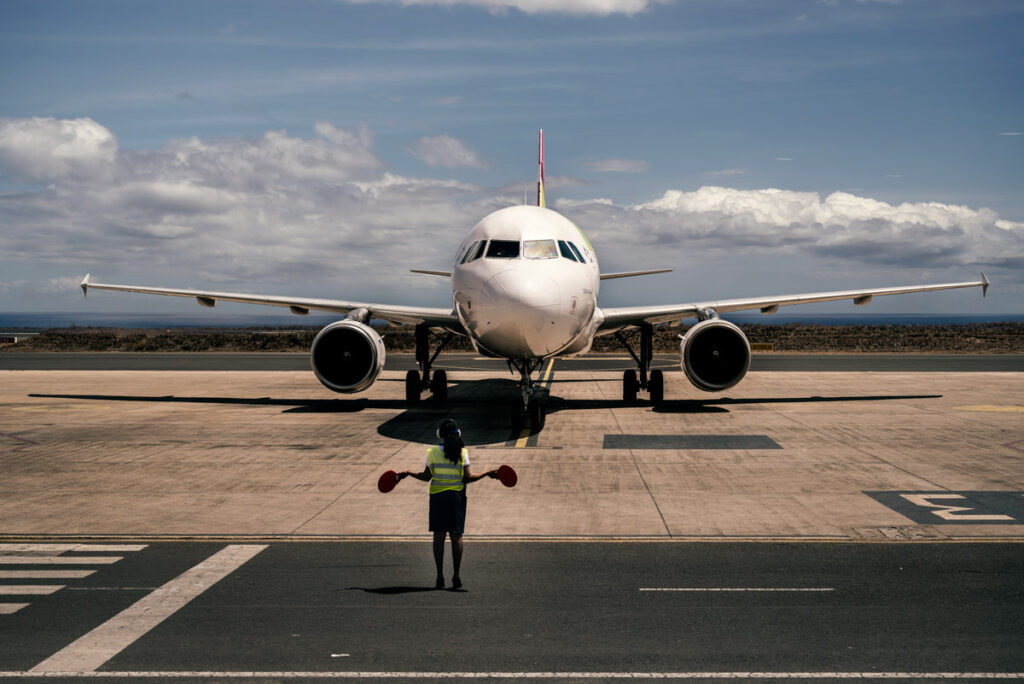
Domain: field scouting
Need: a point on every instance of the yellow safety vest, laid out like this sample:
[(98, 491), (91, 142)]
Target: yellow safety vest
[(445, 474)]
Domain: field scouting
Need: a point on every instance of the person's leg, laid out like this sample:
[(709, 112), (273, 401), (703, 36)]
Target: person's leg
[(439, 558), (456, 559)]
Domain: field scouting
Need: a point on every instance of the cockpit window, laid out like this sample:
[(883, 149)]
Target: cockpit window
[(469, 252), (475, 251), (563, 247), (576, 251), (540, 249), (503, 249)]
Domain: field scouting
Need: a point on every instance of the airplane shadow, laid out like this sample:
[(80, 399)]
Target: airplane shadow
[(487, 410)]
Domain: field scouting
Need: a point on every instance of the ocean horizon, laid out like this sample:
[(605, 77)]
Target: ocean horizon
[(39, 321)]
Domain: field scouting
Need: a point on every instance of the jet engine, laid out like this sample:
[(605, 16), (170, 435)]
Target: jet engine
[(715, 355), (347, 356)]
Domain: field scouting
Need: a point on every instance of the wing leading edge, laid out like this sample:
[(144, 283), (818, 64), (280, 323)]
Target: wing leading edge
[(621, 317), (433, 317)]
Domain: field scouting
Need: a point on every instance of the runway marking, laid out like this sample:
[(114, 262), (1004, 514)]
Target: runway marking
[(62, 548), (29, 589), (92, 650), (520, 675), (44, 574), (11, 608), (44, 553), (740, 589), (689, 442), (59, 560)]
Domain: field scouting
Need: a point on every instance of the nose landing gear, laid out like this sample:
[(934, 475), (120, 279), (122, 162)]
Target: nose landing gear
[(651, 380), (416, 382), (533, 394)]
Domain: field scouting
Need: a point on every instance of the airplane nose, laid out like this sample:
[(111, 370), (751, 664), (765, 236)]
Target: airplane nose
[(525, 292), (521, 315)]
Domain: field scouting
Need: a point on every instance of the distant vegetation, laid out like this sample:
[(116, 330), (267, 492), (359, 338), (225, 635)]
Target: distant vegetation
[(790, 337)]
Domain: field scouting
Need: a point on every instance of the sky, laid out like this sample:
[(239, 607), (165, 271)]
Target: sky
[(323, 148)]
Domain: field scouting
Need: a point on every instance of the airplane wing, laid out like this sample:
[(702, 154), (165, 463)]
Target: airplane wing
[(623, 317), (433, 317)]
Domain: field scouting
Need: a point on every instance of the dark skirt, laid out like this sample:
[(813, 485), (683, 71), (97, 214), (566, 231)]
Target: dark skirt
[(448, 512)]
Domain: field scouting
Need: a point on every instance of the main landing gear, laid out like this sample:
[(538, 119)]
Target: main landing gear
[(653, 381), (534, 395), (416, 382)]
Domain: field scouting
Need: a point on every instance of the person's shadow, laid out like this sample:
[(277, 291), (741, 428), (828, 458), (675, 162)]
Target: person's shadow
[(392, 591)]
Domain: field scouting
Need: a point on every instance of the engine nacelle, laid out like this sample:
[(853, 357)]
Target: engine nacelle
[(715, 355), (347, 356)]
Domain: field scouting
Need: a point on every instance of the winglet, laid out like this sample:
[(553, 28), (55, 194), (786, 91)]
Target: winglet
[(540, 171), (85, 285), (984, 284)]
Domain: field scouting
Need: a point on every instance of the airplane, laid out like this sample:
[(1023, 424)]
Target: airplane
[(525, 284)]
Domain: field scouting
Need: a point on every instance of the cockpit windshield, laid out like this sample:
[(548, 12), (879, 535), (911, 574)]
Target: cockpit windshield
[(503, 249), (540, 249)]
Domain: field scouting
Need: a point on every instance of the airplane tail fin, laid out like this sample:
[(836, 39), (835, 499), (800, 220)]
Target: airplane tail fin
[(540, 171)]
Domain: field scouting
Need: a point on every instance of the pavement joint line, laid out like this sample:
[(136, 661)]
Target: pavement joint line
[(551, 675), (90, 651), (590, 539)]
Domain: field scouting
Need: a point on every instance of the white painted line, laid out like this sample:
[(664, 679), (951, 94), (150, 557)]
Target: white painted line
[(269, 675), (10, 608), (29, 589), (59, 560), (61, 548), (89, 652), (741, 589), (44, 574)]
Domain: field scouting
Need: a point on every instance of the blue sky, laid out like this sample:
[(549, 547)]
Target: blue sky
[(323, 148)]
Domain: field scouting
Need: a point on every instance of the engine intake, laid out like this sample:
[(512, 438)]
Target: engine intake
[(715, 355), (347, 356)]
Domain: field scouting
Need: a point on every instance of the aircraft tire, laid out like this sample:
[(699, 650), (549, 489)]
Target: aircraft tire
[(656, 386), (439, 385), (535, 413), (629, 386), (412, 387)]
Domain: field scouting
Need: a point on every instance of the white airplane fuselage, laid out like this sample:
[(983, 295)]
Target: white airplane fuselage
[(525, 284)]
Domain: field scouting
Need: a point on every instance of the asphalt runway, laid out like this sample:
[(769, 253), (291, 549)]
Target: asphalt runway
[(548, 611), (291, 361)]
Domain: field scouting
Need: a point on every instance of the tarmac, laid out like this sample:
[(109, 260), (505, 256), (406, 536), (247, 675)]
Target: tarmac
[(796, 455)]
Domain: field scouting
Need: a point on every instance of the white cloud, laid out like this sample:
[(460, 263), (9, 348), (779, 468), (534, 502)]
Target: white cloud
[(841, 225), (446, 151), (45, 149), (1012, 133), (318, 216), (572, 7), (619, 166)]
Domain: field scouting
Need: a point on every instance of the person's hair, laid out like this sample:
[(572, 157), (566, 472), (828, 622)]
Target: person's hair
[(452, 437)]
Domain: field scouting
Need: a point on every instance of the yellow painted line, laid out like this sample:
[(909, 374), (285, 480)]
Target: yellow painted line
[(523, 436), (996, 409)]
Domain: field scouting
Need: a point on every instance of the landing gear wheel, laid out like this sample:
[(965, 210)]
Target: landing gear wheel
[(439, 385), (412, 387), (629, 386), (535, 413), (656, 386)]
